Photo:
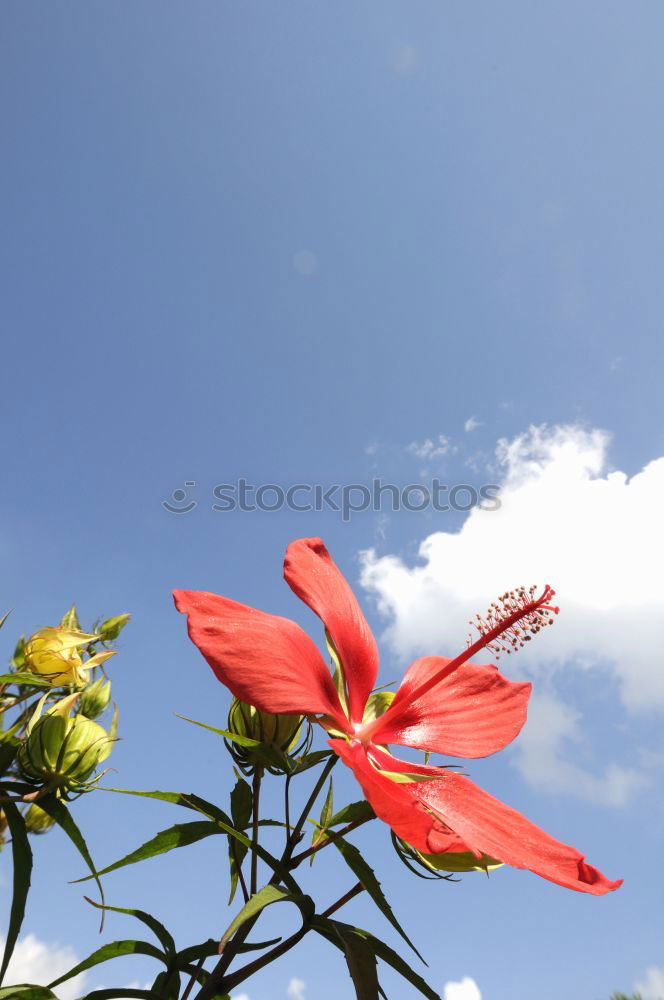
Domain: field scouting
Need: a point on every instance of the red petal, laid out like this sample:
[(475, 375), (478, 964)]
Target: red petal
[(395, 803), (490, 827), (473, 712), (267, 661), (313, 576)]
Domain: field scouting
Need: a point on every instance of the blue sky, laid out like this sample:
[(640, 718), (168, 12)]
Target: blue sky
[(287, 242)]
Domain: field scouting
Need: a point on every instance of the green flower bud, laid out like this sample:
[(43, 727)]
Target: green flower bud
[(279, 732), (95, 698), (37, 821), (111, 628), (61, 751)]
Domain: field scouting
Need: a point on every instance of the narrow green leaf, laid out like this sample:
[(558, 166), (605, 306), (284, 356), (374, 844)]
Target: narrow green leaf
[(25, 991), (115, 949), (179, 835), (270, 756), (329, 929), (131, 993), (361, 962), (22, 862), (224, 822), (211, 947), (25, 677), (164, 937), (303, 764), (243, 741), (5, 617), (241, 809), (324, 821), (58, 811), (167, 985), (351, 813), (265, 897), (70, 619), (367, 877)]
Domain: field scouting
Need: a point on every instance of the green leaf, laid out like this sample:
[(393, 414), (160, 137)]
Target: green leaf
[(242, 741), (241, 809), (224, 822), (330, 929), (5, 617), (25, 677), (211, 947), (265, 897), (303, 764), (108, 951), (164, 937), (324, 821), (167, 985), (361, 962), (367, 877), (130, 993), (269, 755), (58, 811), (351, 813), (70, 619), (25, 991), (22, 861), (179, 835)]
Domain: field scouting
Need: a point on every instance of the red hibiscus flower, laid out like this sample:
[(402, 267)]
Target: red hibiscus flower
[(452, 707)]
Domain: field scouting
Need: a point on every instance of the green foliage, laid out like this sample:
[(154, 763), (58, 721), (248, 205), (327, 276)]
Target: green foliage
[(30, 787)]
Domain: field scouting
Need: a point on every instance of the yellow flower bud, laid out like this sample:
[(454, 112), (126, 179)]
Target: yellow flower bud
[(54, 653)]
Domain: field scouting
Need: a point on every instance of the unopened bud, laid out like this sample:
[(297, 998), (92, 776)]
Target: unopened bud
[(110, 629), (55, 654), (61, 751), (37, 821), (280, 732), (95, 698)]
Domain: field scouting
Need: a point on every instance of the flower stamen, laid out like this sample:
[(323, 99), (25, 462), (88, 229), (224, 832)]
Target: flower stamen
[(514, 619)]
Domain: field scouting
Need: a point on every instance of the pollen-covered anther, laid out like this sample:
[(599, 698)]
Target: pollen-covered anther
[(515, 618)]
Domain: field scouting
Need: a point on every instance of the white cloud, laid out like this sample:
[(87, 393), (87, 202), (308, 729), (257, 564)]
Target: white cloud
[(39, 963), (553, 729), (430, 448), (466, 989), (652, 987), (471, 424), (296, 988), (565, 519), (240, 996)]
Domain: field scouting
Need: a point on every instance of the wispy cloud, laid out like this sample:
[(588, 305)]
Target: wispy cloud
[(471, 424), (432, 447)]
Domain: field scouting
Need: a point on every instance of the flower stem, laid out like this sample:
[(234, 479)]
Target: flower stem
[(329, 839), (258, 774), (355, 891)]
